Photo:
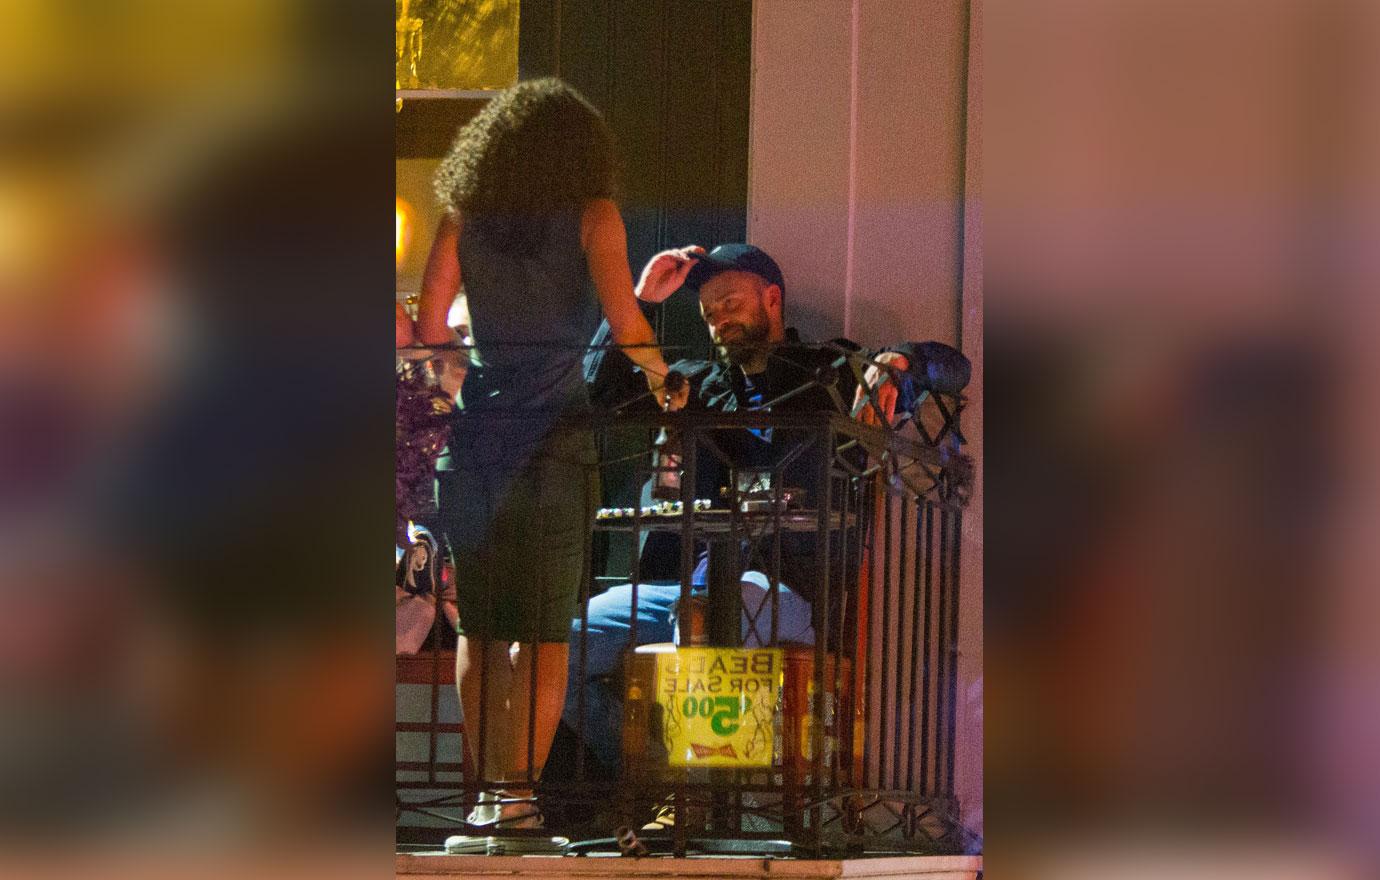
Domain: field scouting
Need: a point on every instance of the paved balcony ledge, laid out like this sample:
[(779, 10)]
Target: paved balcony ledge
[(707, 868)]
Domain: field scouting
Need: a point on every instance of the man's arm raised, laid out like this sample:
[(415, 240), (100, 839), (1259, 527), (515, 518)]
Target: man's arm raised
[(665, 273)]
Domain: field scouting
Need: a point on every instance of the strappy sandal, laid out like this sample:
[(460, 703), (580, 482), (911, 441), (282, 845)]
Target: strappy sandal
[(522, 814), (517, 814), (484, 815)]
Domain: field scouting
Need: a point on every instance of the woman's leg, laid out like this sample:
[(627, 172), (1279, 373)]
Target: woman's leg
[(538, 712), (493, 681)]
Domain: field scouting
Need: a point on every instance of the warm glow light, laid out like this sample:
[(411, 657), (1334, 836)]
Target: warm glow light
[(403, 212)]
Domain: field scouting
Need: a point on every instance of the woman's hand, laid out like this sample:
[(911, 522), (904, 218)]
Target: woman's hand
[(448, 365), (451, 367), (672, 393), (403, 331)]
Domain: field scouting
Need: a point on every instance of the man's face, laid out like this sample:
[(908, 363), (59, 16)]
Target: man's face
[(732, 305)]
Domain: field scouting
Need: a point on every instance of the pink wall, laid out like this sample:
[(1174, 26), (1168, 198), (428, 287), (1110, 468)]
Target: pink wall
[(865, 149)]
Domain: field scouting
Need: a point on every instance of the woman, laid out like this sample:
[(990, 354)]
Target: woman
[(533, 234)]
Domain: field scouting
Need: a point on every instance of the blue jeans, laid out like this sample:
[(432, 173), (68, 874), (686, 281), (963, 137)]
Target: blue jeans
[(609, 632)]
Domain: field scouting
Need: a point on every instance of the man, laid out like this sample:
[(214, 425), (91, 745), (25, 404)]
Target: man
[(760, 361)]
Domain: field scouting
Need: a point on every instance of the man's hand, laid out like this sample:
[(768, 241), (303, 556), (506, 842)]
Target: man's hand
[(665, 273), (879, 378)]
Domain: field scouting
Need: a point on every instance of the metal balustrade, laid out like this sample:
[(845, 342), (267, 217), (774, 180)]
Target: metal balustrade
[(862, 723)]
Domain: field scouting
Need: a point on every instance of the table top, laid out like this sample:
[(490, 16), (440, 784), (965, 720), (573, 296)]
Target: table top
[(713, 521)]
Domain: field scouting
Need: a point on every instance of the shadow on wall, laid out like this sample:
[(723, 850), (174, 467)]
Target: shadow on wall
[(816, 325)]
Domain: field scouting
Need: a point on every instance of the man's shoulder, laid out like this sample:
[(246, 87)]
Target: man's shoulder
[(812, 361), (796, 349), (695, 370), (707, 378)]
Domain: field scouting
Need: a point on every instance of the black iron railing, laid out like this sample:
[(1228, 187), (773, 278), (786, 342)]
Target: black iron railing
[(862, 721)]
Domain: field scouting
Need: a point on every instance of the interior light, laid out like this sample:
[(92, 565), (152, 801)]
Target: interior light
[(403, 212)]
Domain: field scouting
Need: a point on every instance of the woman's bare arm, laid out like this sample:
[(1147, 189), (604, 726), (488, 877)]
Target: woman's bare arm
[(440, 284), (606, 250)]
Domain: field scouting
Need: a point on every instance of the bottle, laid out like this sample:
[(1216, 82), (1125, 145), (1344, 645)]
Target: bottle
[(667, 459), (666, 483), (691, 623)]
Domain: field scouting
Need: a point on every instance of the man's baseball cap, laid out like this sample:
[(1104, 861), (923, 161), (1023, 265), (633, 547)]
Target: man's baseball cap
[(742, 257)]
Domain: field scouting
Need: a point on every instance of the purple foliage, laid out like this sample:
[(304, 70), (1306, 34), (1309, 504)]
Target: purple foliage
[(422, 428)]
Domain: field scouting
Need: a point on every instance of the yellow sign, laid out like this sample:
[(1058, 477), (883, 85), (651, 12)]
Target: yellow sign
[(718, 705)]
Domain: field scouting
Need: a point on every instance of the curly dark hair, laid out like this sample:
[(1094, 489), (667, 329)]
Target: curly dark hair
[(536, 149)]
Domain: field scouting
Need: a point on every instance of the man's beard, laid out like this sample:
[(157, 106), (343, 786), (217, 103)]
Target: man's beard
[(745, 345)]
